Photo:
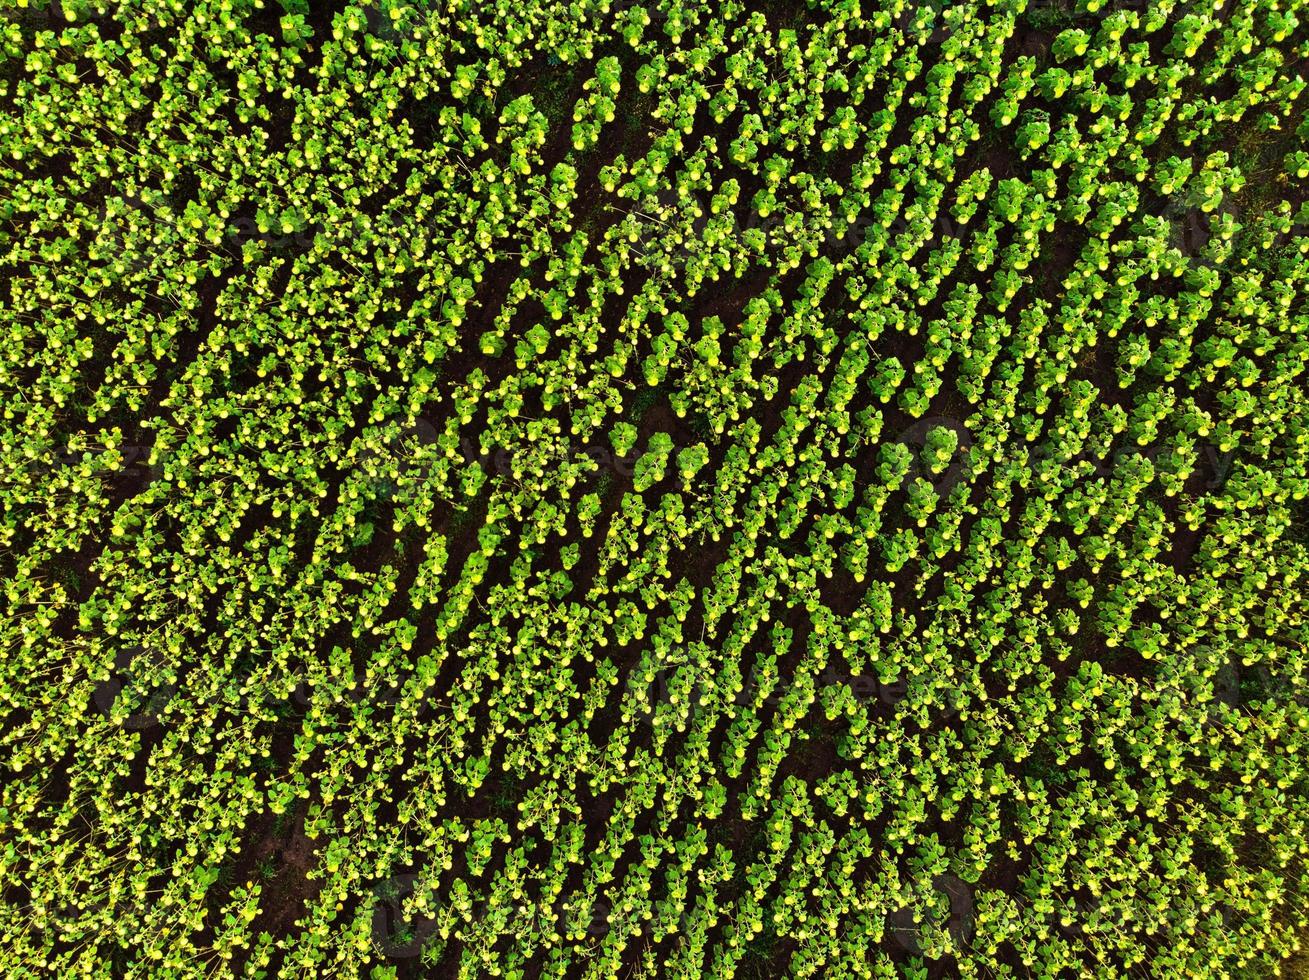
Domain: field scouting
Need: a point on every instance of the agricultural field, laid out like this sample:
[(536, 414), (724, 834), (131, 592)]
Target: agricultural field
[(654, 488)]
